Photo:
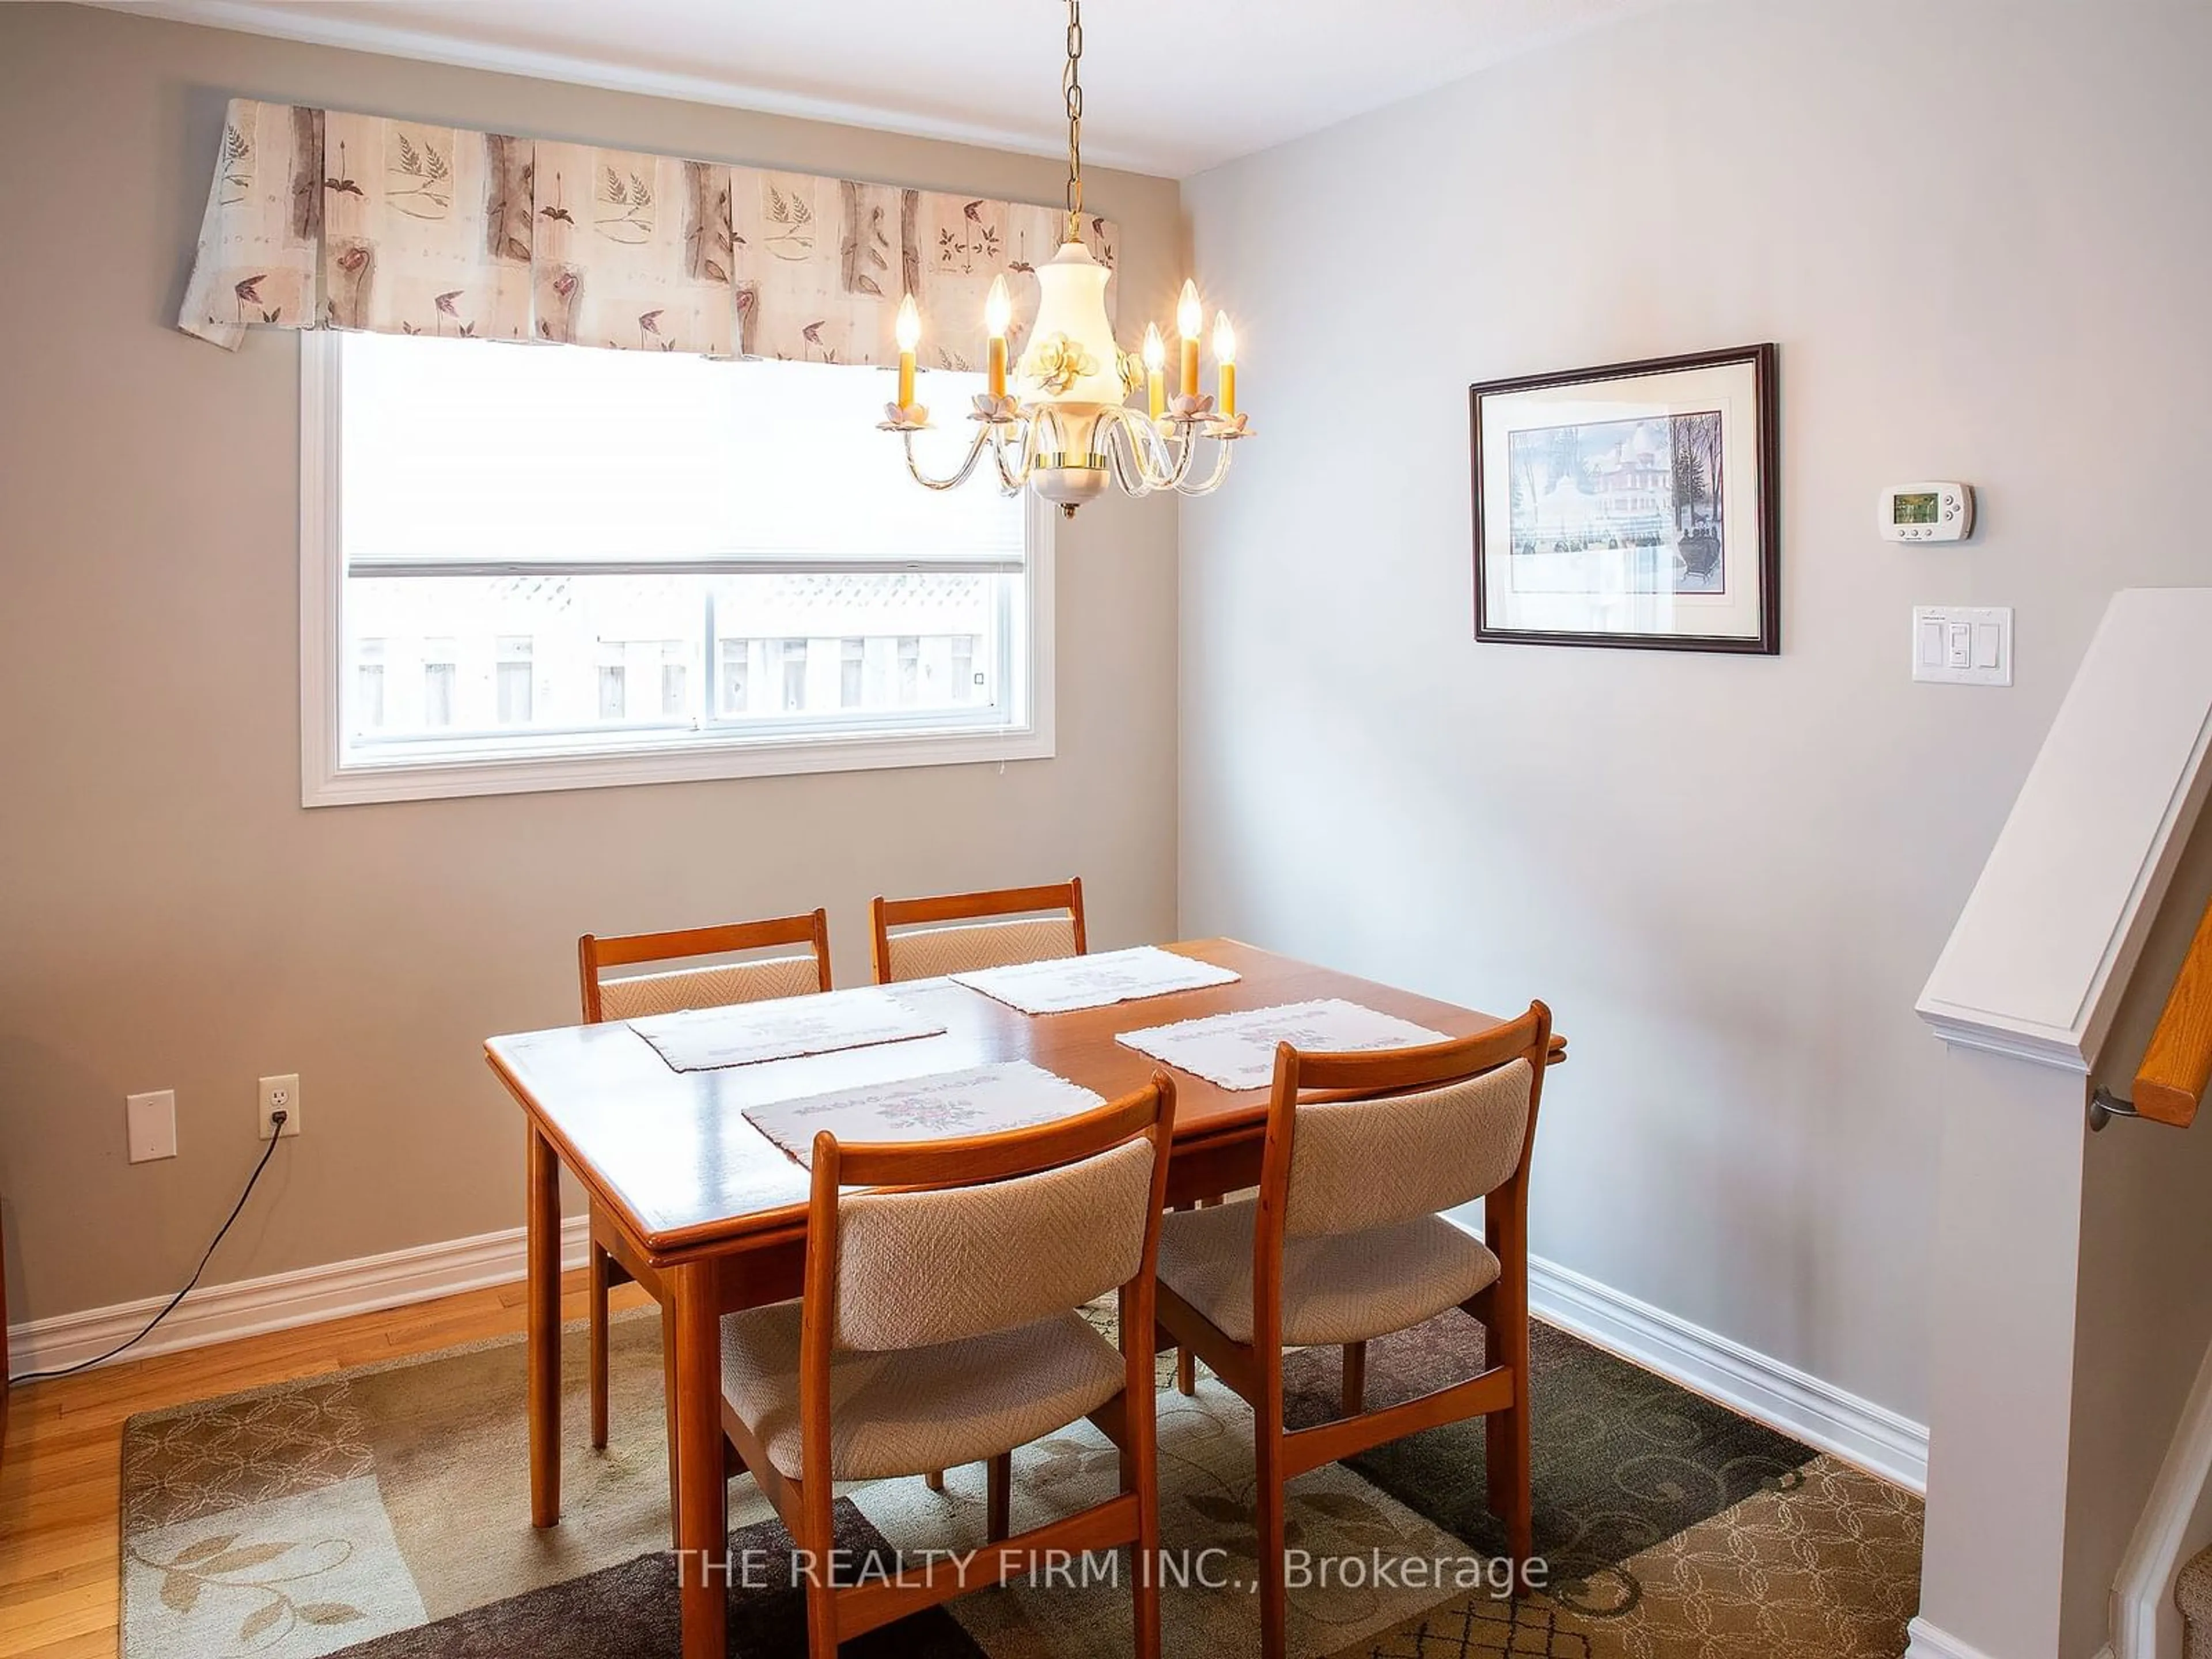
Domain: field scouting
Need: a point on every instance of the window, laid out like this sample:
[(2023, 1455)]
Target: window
[(609, 566), (439, 675), (675, 680), (368, 686), (793, 655), (737, 662), (516, 696), (612, 702), (909, 672)]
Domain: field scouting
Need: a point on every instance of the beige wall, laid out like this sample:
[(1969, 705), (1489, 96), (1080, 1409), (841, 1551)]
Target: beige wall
[(1978, 232), (170, 917)]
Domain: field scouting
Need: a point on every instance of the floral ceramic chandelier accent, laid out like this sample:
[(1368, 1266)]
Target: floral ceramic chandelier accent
[(1065, 429)]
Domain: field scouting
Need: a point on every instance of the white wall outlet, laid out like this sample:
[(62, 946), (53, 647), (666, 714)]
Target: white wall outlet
[(150, 1122), (280, 1094), (1962, 644)]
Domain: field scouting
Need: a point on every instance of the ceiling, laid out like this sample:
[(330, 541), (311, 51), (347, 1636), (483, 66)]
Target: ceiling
[(1171, 87)]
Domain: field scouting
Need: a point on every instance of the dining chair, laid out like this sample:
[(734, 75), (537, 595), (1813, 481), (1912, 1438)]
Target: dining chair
[(1344, 1241), (953, 934), (713, 982), (960, 933), (941, 1324)]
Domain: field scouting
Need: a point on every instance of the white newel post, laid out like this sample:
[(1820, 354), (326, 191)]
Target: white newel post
[(2001, 1385), (2023, 996)]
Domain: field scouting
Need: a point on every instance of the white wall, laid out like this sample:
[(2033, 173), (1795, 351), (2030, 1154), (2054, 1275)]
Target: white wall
[(1980, 233)]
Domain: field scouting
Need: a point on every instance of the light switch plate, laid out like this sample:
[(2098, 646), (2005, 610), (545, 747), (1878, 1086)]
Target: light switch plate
[(1962, 644)]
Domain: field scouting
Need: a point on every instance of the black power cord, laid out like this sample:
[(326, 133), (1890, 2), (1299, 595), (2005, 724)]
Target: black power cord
[(276, 1128)]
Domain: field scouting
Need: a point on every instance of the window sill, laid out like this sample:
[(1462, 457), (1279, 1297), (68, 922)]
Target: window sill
[(417, 779)]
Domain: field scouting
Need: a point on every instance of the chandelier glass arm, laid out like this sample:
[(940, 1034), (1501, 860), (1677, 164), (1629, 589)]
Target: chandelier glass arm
[(1145, 459), (953, 482), (1225, 453), (1011, 478)]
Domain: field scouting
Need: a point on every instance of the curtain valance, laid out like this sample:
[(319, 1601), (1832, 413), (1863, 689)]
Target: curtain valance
[(324, 219)]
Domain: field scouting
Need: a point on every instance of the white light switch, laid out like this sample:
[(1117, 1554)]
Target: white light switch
[(1962, 644)]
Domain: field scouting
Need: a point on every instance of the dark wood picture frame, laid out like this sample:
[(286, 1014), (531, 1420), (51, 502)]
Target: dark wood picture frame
[(1766, 509)]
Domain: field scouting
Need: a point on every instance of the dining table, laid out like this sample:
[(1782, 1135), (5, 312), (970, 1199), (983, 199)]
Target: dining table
[(709, 1215)]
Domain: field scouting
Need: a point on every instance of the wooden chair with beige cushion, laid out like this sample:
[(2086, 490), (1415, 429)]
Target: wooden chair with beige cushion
[(941, 1325), (714, 980), (1344, 1241), (961, 932)]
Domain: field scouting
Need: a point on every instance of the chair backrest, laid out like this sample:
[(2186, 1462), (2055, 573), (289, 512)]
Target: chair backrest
[(710, 985), (927, 945), (1403, 1134), (985, 1234)]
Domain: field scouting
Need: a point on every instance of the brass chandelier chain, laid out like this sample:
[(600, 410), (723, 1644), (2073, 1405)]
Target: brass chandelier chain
[(1070, 84)]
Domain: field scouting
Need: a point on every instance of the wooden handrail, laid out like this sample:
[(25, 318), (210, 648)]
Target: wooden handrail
[(2177, 1065)]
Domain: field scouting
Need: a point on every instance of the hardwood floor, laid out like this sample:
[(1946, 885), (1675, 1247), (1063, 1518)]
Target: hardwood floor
[(61, 1483)]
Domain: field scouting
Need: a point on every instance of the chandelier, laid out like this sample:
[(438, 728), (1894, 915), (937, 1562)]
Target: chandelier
[(1063, 426)]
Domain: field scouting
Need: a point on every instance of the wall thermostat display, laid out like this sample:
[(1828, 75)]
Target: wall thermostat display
[(1926, 512)]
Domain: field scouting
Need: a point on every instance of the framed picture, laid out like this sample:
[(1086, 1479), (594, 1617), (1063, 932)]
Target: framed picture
[(1631, 504)]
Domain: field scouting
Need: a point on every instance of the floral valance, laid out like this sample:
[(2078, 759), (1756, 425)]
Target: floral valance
[(322, 219)]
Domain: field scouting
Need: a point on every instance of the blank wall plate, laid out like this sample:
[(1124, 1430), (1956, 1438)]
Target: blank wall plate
[(1962, 644), (150, 1121)]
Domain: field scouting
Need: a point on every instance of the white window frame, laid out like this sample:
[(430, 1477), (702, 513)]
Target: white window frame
[(326, 780)]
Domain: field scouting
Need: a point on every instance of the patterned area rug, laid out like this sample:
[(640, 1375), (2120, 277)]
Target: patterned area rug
[(383, 1514)]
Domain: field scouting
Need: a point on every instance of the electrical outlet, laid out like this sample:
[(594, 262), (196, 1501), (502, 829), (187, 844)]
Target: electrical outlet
[(150, 1121), (280, 1094)]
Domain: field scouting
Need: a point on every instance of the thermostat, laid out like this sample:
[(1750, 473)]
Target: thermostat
[(1926, 512)]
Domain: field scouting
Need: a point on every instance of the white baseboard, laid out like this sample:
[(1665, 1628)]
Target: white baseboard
[(223, 1313), (1764, 1388), (1761, 1387), (1929, 1643)]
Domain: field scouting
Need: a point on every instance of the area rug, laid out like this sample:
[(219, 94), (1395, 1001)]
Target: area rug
[(383, 1513), (1825, 1564)]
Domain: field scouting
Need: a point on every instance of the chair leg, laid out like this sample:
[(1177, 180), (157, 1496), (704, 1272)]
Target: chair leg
[(668, 1386), (598, 1360), (1275, 1596), (934, 1481), (1354, 1398), (1140, 1473), (821, 1610), (1186, 1361), (815, 1531), (999, 1481), (1507, 1447), (1512, 1497)]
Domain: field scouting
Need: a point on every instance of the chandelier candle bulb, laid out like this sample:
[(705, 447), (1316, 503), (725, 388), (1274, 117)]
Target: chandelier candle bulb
[(909, 336), (1190, 317), (1225, 354), (998, 315), (1155, 360)]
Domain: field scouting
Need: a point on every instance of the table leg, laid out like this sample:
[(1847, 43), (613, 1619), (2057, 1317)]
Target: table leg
[(702, 1509), (541, 1189)]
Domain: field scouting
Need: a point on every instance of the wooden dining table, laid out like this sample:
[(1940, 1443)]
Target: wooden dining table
[(710, 1216)]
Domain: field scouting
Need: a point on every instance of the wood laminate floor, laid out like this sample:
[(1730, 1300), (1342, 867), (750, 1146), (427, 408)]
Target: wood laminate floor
[(61, 1479)]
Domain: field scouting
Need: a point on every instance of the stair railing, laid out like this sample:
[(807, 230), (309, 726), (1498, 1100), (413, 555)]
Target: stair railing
[(2177, 1066)]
